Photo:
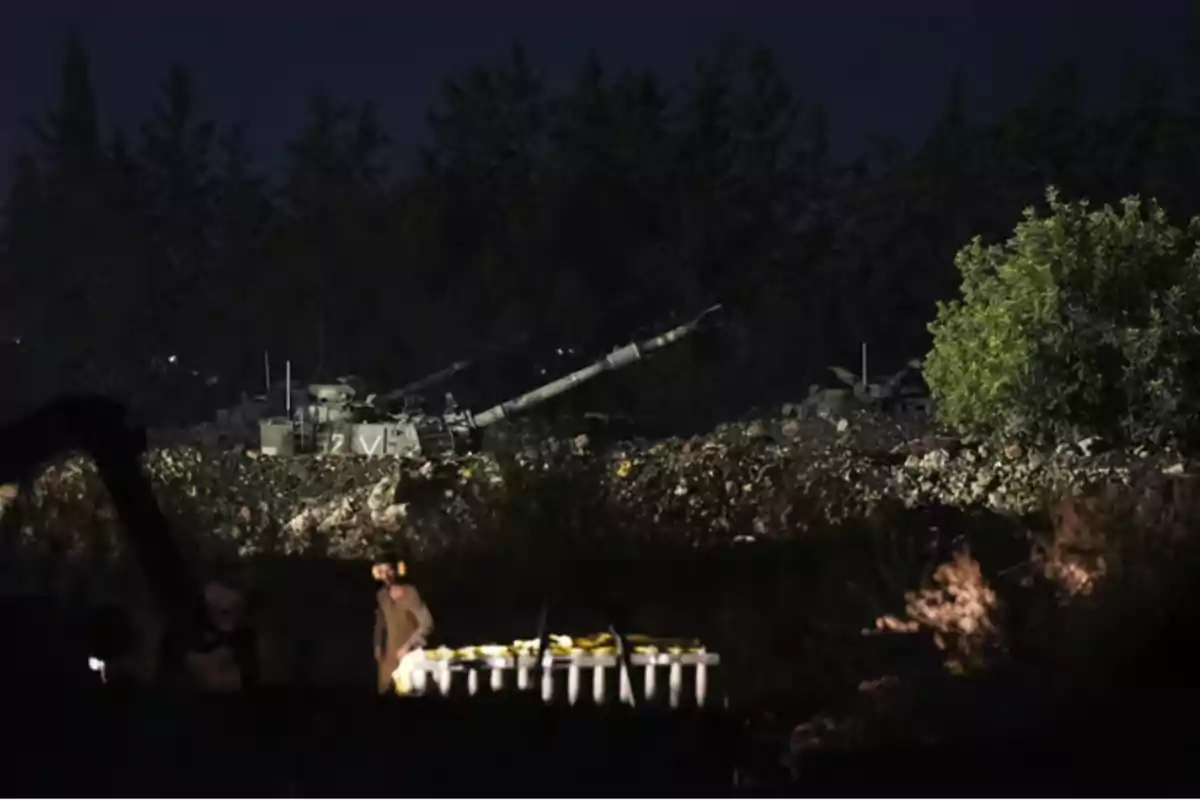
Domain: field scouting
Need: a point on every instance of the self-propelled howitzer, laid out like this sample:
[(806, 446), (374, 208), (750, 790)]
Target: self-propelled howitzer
[(433, 435)]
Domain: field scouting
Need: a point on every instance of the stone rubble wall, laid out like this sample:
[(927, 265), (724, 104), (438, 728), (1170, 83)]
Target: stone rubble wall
[(766, 479)]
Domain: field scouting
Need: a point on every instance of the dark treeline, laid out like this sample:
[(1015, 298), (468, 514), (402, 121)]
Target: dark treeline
[(575, 218)]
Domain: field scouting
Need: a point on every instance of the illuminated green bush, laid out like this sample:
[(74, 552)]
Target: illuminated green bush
[(1084, 322)]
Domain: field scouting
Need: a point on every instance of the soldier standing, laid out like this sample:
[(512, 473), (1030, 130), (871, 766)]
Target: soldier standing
[(402, 620)]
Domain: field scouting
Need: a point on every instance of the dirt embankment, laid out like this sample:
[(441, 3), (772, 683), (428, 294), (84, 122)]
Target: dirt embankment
[(840, 572)]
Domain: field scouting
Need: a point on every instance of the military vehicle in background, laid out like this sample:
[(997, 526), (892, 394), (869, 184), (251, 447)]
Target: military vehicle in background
[(239, 424), (335, 421), (902, 394)]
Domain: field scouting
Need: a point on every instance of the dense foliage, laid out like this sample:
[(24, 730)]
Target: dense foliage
[(1084, 322), (571, 217)]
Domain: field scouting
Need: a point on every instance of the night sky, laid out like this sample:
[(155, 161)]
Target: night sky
[(881, 66)]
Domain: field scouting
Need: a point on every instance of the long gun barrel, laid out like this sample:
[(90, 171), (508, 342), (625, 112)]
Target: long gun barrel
[(429, 380), (618, 359), (434, 378)]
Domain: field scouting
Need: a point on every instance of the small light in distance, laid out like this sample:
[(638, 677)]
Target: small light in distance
[(96, 665)]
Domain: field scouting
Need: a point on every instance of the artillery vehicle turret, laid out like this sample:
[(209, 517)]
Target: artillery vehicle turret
[(336, 423)]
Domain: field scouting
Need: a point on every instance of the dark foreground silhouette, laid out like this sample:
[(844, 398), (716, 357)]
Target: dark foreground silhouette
[(69, 734), (334, 744)]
